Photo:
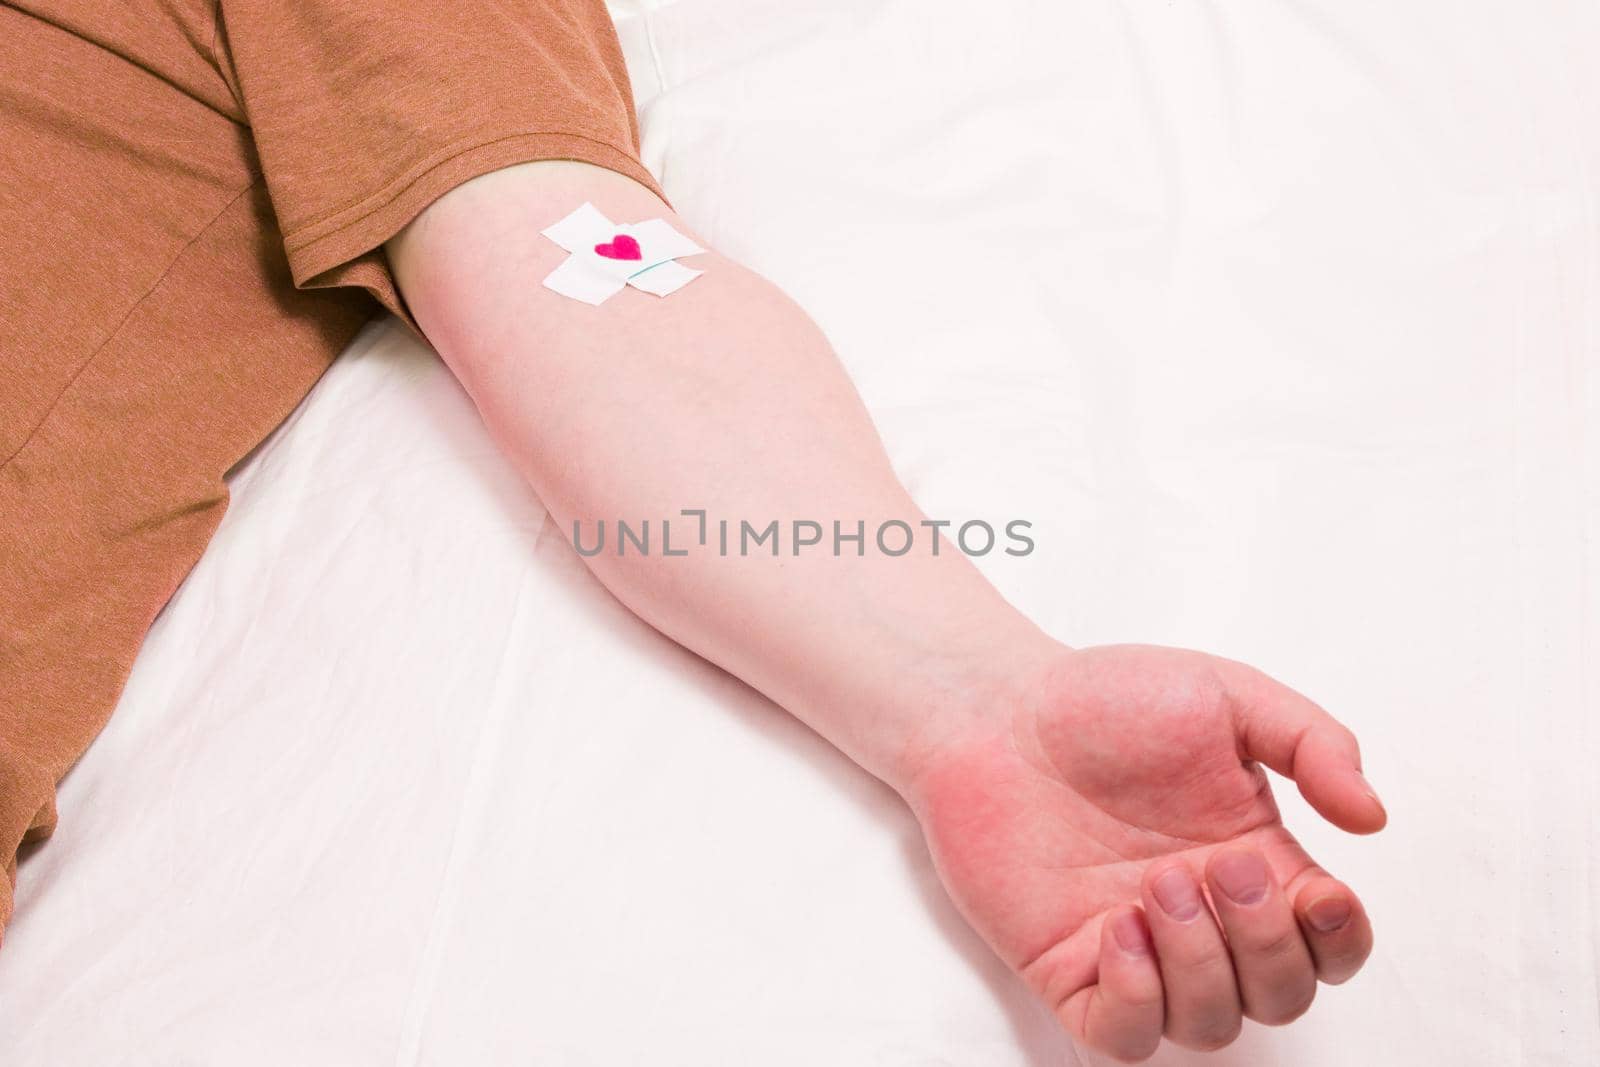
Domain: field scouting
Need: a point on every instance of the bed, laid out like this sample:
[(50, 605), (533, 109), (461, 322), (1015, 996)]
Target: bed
[(1287, 348)]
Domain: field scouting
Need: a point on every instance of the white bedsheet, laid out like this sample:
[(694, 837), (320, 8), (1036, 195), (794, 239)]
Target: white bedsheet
[(1278, 320)]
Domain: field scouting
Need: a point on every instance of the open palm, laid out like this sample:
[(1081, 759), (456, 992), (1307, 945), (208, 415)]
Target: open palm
[(1115, 840)]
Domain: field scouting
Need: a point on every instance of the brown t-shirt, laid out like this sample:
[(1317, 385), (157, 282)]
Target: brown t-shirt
[(193, 200)]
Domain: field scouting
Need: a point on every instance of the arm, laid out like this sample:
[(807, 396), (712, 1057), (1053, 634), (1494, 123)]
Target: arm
[(722, 396), (1058, 829)]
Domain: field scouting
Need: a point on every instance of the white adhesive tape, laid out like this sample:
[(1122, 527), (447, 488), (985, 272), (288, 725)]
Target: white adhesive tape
[(606, 256)]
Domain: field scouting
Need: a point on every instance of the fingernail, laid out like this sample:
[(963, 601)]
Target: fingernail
[(1178, 894), (1241, 876), (1328, 914), (1372, 793), (1130, 933)]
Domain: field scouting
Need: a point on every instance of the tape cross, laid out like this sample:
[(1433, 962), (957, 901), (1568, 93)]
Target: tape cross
[(605, 257)]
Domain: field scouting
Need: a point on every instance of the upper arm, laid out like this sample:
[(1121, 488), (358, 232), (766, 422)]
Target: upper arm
[(613, 398), (475, 256)]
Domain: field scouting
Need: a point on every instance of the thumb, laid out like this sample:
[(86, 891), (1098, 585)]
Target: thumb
[(1296, 738)]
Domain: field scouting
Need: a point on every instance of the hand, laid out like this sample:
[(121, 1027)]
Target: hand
[(1082, 831)]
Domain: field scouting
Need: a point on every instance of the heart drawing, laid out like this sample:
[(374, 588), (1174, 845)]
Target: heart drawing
[(620, 247)]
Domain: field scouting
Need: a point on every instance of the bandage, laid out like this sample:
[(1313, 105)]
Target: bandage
[(607, 256)]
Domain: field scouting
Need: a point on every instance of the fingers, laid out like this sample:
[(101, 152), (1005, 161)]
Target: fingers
[(1335, 927), (1124, 1019), (1299, 740), (1175, 969), (1277, 978), (1202, 997)]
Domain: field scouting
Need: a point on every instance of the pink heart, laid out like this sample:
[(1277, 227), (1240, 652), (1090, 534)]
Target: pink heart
[(621, 247)]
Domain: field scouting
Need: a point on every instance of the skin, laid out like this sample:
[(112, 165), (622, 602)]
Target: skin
[(1083, 830), (1065, 794)]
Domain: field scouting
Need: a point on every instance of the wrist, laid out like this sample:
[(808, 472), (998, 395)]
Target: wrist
[(968, 694)]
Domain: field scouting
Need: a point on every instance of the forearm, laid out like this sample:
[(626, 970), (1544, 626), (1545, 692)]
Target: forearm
[(722, 397)]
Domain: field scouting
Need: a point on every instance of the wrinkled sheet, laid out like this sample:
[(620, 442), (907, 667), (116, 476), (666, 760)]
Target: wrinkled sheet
[(1279, 321)]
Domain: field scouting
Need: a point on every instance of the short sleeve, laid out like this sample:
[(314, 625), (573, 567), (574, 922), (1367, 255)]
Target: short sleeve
[(363, 114)]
